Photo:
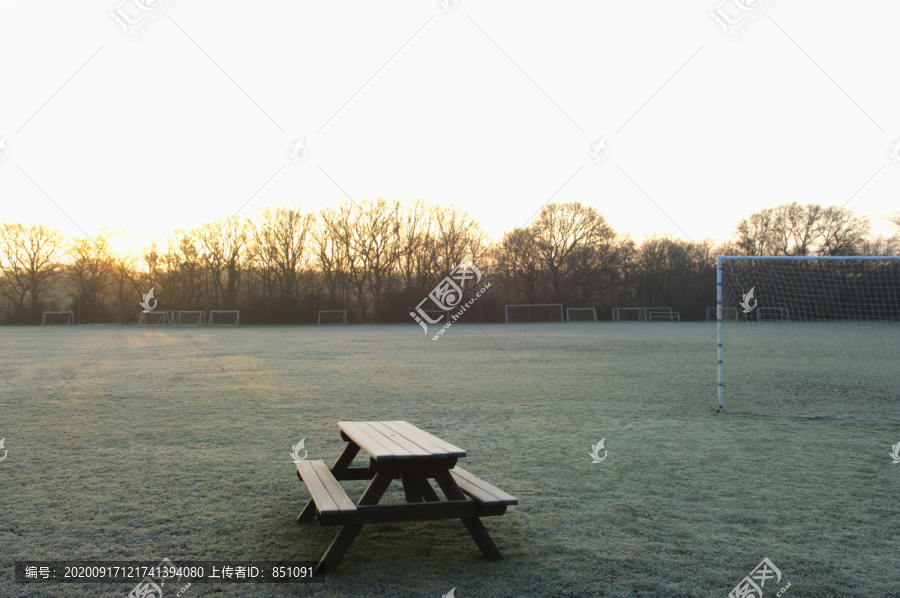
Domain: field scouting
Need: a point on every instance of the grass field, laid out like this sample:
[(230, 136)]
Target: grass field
[(144, 443)]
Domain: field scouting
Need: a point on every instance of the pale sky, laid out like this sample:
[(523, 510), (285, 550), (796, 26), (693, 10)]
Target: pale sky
[(491, 106)]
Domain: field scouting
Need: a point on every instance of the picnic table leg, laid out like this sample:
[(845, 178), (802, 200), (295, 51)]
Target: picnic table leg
[(473, 524), (348, 533), (428, 492), (411, 486), (340, 466)]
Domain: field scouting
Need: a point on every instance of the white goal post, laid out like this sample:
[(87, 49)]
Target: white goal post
[(793, 291), (631, 314), (225, 321), (332, 316), (155, 318), (536, 312), (581, 314), (58, 317), (190, 318)]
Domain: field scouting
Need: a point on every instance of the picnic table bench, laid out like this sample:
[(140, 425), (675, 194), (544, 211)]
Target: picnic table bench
[(397, 450)]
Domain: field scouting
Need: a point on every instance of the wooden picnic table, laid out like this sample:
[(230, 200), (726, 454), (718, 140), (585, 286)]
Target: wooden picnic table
[(397, 450)]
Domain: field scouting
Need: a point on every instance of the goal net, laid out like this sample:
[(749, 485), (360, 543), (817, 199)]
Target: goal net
[(224, 317), (581, 314), (729, 314), (534, 312), (190, 318), (155, 318), (53, 318), (332, 316), (814, 336)]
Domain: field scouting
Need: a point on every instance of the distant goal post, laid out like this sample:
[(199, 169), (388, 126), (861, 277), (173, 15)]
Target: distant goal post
[(332, 316), (156, 318), (628, 314), (226, 317), (54, 318), (581, 314), (190, 318), (534, 312)]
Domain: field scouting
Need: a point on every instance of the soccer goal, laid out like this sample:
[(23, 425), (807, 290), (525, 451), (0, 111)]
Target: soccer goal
[(53, 318), (332, 316), (155, 318), (534, 312), (663, 315), (831, 339), (224, 317), (729, 314), (628, 314), (581, 314), (190, 318)]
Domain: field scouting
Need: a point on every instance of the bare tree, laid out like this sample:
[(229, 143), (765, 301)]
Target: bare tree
[(226, 253), (842, 231), (280, 251), (335, 257), (92, 271), (29, 262)]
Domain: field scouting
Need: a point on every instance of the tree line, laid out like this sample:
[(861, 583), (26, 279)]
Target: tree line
[(378, 259)]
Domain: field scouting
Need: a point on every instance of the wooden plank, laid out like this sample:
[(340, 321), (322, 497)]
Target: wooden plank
[(420, 436), (326, 492), (324, 503), (396, 443), (481, 490), (377, 447), (418, 451), (396, 465), (334, 489)]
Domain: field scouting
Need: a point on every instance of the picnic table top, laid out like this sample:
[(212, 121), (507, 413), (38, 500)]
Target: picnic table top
[(398, 440)]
